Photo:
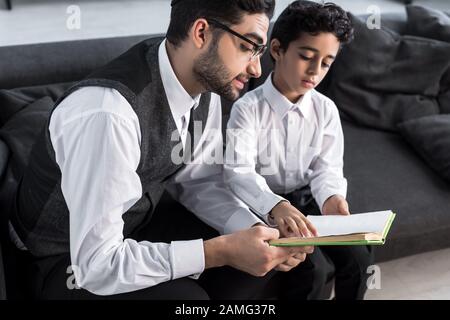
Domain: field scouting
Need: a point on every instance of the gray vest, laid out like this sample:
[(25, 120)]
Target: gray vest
[(41, 216)]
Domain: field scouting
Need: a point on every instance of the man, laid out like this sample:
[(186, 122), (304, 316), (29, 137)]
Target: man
[(107, 154)]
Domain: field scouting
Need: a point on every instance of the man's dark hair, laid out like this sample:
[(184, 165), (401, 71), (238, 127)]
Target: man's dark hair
[(313, 18), (185, 12)]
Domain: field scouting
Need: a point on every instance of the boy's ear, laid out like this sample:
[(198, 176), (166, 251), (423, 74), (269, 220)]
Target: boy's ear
[(275, 49), (200, 31)]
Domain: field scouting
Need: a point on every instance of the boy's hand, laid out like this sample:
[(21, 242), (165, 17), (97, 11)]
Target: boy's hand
[(291, 222), (336, 205)]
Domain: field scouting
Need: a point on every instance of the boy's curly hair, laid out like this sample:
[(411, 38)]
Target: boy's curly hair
[(311, 17)]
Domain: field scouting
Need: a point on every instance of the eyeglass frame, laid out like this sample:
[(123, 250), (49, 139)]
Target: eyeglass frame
[(258, 49)]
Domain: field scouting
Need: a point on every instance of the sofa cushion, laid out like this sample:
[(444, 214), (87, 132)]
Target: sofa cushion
[(4, 155), (428, 23), (430, 137), (382, 78), (392, 20), (433, 24), (57, 62), (384, 172), (20, 132), (14, 100)]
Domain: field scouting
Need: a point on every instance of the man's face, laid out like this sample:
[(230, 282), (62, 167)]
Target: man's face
[(227, 64), (306, 61)]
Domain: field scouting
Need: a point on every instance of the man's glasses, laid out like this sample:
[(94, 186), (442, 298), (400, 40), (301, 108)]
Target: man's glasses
[(257, 49)]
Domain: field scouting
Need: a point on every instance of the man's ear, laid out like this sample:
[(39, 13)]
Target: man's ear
[(200, 33), (275, 49)]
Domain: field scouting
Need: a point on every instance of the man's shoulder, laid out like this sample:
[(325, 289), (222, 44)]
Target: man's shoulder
[(132, 71), (90, 100)]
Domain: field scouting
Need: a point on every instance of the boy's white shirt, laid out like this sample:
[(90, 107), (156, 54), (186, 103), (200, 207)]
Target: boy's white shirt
[(275, 147)]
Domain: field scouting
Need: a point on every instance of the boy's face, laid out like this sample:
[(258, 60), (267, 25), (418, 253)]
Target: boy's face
[(227, 65), (305, 62)]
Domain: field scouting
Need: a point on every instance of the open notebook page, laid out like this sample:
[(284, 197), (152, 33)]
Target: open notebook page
[(333, 225)]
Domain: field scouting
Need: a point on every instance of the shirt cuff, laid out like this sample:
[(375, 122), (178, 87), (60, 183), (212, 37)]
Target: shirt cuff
[(267, 201), (242, 219), (269, 221), (187, 258)]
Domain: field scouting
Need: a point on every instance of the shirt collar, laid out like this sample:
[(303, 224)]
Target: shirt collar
[(180, 101), (281, 105)]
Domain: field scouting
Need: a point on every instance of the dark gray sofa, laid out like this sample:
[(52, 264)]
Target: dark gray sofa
[(383, 171), (6, 4)]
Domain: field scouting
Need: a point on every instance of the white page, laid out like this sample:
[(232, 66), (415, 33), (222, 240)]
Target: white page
[(334, 225)]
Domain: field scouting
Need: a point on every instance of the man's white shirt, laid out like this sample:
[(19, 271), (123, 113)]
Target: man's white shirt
[(96, 137), (275, 147)]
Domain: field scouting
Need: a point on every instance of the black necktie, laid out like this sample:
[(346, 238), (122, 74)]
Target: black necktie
[(189, 146)]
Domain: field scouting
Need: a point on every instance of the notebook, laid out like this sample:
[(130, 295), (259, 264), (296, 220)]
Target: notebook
[(369, 228)]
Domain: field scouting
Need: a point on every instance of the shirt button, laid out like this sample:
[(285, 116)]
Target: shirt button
[(290, 149)]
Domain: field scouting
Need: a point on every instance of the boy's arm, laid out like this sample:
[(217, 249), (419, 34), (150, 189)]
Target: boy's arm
[(240, 162), (327, 178)]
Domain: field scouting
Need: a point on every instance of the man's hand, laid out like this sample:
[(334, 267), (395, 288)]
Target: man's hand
[(293, 261), (291, 222), (336, 205), (249, 251)]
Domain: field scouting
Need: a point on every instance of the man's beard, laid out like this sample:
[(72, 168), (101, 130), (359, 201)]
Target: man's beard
[(209, 70)]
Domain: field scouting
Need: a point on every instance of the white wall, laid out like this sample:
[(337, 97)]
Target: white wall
[(35, 21)]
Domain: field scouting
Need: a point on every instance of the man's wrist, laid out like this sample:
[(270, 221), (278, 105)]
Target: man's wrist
[(215, 252)]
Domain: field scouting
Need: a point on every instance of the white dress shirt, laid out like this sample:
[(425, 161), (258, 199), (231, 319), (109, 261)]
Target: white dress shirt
[(96, 137), (275, 147)]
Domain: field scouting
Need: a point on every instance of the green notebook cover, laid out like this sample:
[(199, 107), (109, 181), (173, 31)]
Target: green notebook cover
[(344, 243)]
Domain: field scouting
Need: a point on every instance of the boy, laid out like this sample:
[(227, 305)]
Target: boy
[(285, 149)]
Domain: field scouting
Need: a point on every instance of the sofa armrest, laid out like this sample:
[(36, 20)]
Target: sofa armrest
[(4, 155), (2, 277)]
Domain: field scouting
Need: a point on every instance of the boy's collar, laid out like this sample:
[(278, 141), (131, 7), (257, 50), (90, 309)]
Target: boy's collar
[(281, 105)]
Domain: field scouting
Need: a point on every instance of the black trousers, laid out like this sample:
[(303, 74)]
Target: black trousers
[(170, 222), (350, 263), (173, 222)]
